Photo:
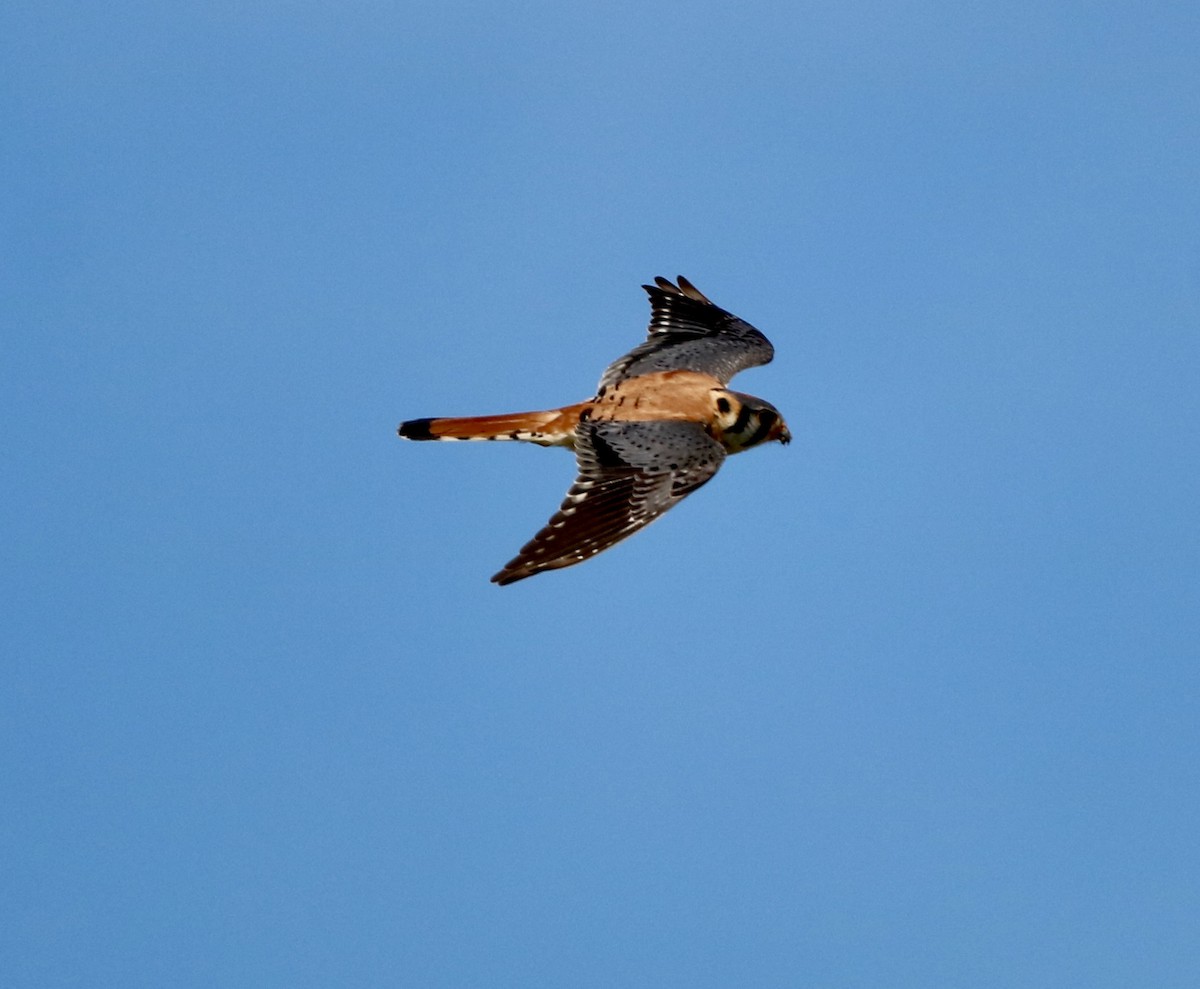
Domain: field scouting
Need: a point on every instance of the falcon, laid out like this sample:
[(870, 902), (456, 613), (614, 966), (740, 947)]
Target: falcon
[(660, 425)]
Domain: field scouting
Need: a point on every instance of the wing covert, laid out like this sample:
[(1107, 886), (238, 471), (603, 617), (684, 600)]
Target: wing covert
[(630, 473), (687, 331)]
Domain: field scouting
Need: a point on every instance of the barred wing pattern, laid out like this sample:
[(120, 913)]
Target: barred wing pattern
[(630, 473), (688, 332)]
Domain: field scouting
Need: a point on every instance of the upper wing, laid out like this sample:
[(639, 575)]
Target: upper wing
[(688, 332), (629, 474)]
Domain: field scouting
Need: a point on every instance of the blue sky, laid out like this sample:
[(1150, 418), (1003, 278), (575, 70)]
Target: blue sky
[(912, 702)]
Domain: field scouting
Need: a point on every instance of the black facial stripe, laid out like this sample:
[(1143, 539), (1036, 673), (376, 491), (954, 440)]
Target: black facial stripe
[(766, 420), (759, 434), (742, 420)]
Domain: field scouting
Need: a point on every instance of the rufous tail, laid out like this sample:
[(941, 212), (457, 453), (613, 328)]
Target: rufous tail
[(554, 427)]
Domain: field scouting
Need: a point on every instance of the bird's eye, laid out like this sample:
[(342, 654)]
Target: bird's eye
[(723, 405)]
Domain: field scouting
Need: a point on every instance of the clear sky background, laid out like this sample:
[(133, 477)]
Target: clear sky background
[(912, 702)]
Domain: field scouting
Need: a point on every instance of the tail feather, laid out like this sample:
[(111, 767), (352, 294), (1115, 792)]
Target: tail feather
[(554, 427)]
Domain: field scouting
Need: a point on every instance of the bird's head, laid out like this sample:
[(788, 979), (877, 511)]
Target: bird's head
[(744, 421)]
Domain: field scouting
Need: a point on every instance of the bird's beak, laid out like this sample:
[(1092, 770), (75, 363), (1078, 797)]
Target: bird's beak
[(784, 435)]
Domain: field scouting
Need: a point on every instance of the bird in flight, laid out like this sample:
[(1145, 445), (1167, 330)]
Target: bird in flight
[(661, 423)]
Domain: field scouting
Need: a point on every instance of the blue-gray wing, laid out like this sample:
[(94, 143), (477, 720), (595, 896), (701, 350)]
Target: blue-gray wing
[(630, 473), (688, 332)]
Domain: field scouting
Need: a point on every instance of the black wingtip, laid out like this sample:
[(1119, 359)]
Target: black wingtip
[(690, 290), (416, 429), (681, 288)]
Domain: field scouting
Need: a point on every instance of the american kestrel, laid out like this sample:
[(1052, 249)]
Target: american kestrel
[(661, 423)]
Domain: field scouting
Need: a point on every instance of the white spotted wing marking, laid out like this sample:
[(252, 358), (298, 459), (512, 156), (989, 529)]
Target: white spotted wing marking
[(630, 473), (687, 332)]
